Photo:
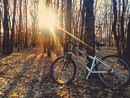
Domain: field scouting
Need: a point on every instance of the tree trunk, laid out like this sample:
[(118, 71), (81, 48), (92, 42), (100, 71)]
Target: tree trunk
[(5, 44), (110, 31), (122, 30), (26, 34), (114, 24), (128, 42), (68, 23), (62, 18), (0, 28), (12, 30), (82, 25), (48, 2), (20, 24), (89, 31), (48, 46)]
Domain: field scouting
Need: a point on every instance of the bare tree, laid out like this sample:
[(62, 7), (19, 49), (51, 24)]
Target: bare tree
[(26, 24), (12, 29), (128, 42), (20, 26), (114, 24), (48, 2), (82, 22), (0, 23), (5, 44), (34, 28), (118, 26), (122, 29), (68, 23), (89, 27)]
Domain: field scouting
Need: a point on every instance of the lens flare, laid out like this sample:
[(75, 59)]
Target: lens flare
[(46, 17)]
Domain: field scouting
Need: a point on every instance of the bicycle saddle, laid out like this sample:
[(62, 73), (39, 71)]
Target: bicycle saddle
[(99, 44)]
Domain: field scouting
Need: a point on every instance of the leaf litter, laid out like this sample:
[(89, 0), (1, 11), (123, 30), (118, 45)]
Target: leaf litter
[(27, 75)]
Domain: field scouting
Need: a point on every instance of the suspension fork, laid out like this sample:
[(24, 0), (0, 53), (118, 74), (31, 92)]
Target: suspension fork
[(67, 58)]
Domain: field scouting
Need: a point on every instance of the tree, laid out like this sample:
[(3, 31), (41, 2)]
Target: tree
[(20, 26), (0, 25), (12, 29), (68, 23), (118, 26), (82, 22), (48, 2), (34, 29), (122, 30), (128, 42), (5, 43), (26, 24), (61, 17), (89, 28), (114, 24)]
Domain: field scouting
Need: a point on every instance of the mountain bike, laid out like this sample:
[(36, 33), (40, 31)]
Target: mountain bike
[(112, 70)]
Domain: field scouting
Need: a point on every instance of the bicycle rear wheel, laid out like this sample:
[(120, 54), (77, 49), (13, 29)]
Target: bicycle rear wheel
[(63, 71), (117, 75)]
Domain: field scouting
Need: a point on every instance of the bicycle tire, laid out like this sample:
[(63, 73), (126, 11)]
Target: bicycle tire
[(118, 75), (63, 74)]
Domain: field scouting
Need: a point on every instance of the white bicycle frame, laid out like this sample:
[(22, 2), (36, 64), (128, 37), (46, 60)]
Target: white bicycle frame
[(94, 59)]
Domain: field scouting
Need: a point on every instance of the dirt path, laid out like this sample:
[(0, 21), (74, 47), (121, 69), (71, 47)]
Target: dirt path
[(27, 75)]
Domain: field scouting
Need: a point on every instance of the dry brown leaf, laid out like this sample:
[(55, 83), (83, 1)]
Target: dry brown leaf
[(14, 95)]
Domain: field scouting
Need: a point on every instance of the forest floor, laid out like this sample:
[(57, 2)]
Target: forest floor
[(27, 75)]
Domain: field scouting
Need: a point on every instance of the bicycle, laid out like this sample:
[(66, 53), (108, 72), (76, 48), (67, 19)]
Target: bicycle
[(112, 70)]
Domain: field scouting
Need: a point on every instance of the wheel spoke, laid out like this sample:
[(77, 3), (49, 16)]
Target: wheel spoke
[(63, 72), (118, 75)]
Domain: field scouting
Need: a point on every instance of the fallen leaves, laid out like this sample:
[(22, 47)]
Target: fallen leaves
[(14, 95), (27, 75)]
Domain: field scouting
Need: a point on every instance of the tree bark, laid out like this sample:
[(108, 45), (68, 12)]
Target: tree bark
[(5, 44), (68, 23), (12, 30), (122, 30), (48, 44), (82, 24), (20, 24), (114, 24), (26, 34), (0, 28), (128, 42), (89, 29)]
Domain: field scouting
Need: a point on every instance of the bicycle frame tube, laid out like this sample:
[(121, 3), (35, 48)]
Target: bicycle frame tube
[(92, 66), (94, 59), (83, 62), (101, 61)]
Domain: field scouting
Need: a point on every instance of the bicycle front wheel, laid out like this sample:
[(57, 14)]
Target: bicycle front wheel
[(63, 71), (117, 71)]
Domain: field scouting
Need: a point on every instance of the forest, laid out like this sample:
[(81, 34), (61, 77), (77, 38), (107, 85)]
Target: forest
[(33, 34)]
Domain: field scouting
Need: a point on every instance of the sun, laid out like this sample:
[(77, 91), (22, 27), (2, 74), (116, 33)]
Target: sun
[(46, 17)]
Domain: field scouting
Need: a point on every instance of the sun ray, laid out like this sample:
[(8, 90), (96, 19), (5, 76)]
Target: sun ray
[(46, 17), (47, 20)]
